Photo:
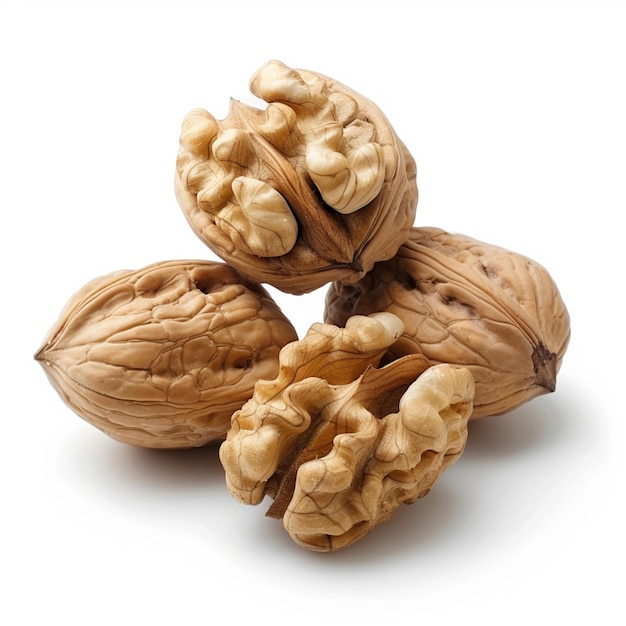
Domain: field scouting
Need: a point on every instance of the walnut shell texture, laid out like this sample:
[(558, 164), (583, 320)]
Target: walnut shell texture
[(317, 187), (339, 456), (162, 356), (471, 304)]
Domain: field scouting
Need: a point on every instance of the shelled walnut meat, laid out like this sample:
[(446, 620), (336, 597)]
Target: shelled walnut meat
[(314, 188), (468, 303), (162, 356), (339, 444)]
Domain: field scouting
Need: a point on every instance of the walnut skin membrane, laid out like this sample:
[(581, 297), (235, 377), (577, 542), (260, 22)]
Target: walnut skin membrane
[(314, 188), (339, 454), (467, 303), (162, 356)]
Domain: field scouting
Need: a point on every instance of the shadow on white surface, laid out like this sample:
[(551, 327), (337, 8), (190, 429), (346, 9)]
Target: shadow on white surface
[(474, 505), (138, 479), (514, 516)]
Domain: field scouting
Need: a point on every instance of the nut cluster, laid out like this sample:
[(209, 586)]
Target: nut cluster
[(422, 330)]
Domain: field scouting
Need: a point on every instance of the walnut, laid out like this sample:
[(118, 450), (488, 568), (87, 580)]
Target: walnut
[(467, 303), (339, 444), (316, 187), (162, 356)]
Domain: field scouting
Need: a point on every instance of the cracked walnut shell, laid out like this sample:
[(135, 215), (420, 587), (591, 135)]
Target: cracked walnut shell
[(162, 356), (339, 454), (317, 187), (468, 303)]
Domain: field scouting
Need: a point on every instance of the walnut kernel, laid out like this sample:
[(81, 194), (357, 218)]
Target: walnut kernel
[(338, 455), (316, 187)]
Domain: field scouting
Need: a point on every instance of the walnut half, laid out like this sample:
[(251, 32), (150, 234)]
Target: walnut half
[(316, 187), (339, 444)]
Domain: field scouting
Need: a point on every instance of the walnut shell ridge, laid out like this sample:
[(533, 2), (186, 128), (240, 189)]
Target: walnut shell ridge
[(317, 187), (467, 303), (162, 356), (338, 458)]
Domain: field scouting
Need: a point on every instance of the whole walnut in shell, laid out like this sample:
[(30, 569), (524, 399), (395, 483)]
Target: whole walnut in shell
[(316, 187), (162, 356), (339, 444), (467, 303)]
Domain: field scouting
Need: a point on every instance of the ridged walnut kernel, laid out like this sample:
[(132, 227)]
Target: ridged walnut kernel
[(314, 188), (339, 444)]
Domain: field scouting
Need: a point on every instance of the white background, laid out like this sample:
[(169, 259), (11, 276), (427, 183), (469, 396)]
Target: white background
[(515, 113)]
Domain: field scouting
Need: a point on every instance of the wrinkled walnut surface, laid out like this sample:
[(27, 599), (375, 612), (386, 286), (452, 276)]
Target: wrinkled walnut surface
[(467, 303), (338, 454), (316, 187), (162, 356)]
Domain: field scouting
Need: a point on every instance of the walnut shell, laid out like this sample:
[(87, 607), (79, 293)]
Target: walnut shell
[(316, 187), (161, 357), (339, 444), (467, 303)]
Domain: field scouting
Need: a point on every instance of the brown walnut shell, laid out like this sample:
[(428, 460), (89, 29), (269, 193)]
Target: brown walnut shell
[(468, 303), (317, 187), (161, 357)]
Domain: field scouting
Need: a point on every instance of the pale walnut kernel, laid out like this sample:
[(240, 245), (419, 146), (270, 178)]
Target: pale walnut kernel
[(339, 458), (314, 188)]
